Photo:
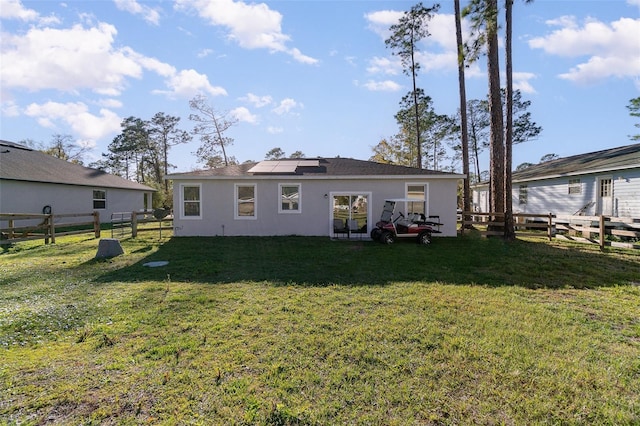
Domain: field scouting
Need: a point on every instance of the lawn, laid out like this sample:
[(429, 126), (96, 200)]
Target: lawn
[(309, 331)]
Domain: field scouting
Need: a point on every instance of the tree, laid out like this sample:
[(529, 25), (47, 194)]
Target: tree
[(464, 133), (62, 147), (549, 157), (524, 128), (634, 111), (210, 127), (434, 128), (274, 154), (509, 229), (165, 134), (523, 166), (410, 29), (394, 150), (297, 154)]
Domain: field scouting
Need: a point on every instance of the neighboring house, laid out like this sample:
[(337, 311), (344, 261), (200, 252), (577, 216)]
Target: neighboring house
[(31, 180), (303, 197), (604, 182)]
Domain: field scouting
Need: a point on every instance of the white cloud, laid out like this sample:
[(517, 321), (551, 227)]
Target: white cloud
[(382, 86), (110, 103), (380, 21), (436, 52), (14, 9), (274, 130), (252, 26), (611, 49), (521, 82), (379, 65), (67, 60), (204, 53), (76, 115), (77, 58), (243, 114), (286, 106), (149, 14), (188, 83), (257, 101)]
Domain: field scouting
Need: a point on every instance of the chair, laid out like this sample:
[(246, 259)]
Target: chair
[(339, 227), (354, 228)]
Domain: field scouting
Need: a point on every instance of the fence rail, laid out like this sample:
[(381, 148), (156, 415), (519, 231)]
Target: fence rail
[(47, 229), (599, 230)]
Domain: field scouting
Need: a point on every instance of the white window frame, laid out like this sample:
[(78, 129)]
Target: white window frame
[(425, 185), (575, 186), (523, 195), (236, 213), (285, 211), (94, 199), (182, 200)]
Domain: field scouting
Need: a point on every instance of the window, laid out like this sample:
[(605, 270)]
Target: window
[(523, 194), (289, 198), (605, 187), (245, 202), (575, 187), (417, 192), (99, 199), (191, 201)]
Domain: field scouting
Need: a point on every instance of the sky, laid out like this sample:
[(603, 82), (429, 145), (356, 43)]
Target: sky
[(302, 75)]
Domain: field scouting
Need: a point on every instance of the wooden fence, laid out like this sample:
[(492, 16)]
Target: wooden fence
[(47, 229), (601, 230)]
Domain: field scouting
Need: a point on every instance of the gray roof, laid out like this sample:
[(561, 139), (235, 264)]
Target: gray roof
[(327, 167), (18, 162), (624, 157)]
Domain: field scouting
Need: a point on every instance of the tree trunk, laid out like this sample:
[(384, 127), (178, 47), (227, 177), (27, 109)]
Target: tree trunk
[(496, 144), (466, 191), (509, 230), (417, 111)]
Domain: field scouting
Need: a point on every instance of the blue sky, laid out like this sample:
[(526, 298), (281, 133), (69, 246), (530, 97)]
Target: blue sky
[(313, 76)]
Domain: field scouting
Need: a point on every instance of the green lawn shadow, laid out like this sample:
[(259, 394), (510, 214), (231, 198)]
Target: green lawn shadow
[(318, 261)]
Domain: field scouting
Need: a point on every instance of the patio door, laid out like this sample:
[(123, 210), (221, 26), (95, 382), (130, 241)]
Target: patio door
[(604, 203), (352, 209)]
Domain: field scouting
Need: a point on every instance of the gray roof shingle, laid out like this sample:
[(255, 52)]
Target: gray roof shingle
[(18, 162), (623, 157), (327, 167)]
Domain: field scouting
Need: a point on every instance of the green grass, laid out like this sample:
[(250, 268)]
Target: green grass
[(308, 331)]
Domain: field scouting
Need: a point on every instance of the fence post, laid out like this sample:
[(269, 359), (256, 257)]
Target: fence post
[(11, 227), (46, 226), (550, 228), (602, 231), (96, 224), (134, 225), (52, 228)]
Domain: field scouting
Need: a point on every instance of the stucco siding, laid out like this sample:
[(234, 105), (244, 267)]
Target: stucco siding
[(316, 195), (30, 197)]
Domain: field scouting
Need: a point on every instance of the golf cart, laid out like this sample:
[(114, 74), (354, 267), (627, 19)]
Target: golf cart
[(413, 225)]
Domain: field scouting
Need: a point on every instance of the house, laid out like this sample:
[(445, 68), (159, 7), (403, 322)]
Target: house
[(604, 182), (34, 182), (304, 196)]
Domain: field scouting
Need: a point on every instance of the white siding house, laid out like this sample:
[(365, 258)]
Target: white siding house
[(604, 182), (31, 180), (303, 197)]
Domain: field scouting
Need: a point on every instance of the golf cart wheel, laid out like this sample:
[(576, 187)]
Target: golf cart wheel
[(387, 237), (375, 234), (424, 238)]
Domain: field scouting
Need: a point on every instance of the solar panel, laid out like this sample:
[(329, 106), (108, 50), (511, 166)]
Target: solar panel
[(282, 166)]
